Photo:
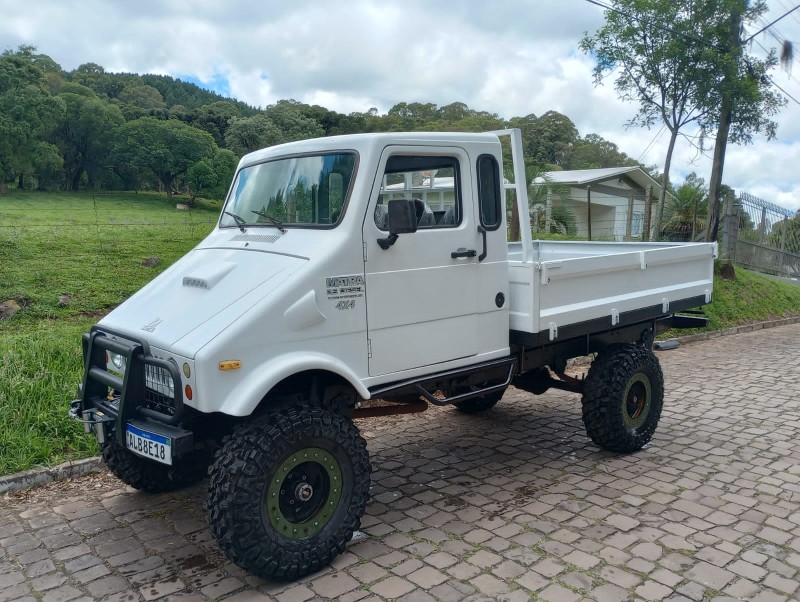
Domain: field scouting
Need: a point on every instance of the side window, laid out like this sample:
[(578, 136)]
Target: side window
[(433, 180), (489, 192)]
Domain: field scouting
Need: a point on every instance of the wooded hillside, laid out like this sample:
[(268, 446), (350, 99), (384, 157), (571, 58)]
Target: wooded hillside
[(94, 130)]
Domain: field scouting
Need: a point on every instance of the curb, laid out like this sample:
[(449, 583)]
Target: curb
[(48, 474), (715, 334)]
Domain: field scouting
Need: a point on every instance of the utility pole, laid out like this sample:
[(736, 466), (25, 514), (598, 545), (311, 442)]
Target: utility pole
[(725, 118)]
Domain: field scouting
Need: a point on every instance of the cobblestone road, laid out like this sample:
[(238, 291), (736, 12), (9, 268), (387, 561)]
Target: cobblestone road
[(515, 504)]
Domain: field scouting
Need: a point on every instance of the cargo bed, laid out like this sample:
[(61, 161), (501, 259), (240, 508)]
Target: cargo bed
[(580, 287)]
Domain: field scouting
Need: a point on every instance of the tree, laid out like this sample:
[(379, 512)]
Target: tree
[(742, 93), (142, 96), (686, 209), (210, 174), (676, 60), (214, 118), (28, 113), (660, 67), (594, 151), (86, 134), (247, 134), (166, 148), (280, 123), (545, 216)]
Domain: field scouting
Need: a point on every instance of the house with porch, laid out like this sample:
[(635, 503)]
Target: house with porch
[(608, 203)]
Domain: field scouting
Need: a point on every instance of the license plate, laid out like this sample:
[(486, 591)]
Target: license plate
[(149, 445)]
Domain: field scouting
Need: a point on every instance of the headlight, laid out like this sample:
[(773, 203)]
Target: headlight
[(117, 361)]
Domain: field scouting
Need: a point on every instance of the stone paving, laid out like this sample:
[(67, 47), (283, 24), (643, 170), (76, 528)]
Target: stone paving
[(514, 504)]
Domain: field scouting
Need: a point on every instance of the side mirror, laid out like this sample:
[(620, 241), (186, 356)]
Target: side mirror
[(402, 218)]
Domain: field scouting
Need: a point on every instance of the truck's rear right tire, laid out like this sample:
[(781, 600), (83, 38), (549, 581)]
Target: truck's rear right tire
[(287, 490), (622, 398)]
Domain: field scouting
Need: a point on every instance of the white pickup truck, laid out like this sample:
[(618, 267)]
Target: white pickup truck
[(357, 276)]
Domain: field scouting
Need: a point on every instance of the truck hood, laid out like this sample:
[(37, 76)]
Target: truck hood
[(197, 291)]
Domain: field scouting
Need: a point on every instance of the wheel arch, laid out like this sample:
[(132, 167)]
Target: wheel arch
[(278, 379)]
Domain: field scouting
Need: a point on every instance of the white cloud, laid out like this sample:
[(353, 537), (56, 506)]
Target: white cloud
[(511, 57)]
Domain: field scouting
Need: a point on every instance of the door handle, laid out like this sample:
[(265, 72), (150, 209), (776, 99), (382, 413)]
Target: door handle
[(462, 252)]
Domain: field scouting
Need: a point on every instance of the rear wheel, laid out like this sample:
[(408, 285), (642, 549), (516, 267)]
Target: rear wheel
[(480, 404), (623, 396), (288, 490)]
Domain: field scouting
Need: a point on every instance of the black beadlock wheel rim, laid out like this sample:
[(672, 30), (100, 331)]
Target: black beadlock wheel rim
[(637, 400), (304, 493)]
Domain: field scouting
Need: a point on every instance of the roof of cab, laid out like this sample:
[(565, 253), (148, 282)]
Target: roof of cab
[(367, 142)]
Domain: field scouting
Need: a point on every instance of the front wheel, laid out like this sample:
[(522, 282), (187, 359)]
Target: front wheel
[(622, 398), (288, 490)]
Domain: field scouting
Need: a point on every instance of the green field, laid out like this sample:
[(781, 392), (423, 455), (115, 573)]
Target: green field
[(67, 259)]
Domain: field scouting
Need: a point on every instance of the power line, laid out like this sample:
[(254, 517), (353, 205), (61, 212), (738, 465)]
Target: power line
[(785, 6), (772, 81), (773, 23), (652, 142)]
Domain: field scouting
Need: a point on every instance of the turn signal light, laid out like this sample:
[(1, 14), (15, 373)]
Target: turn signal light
[(230, 365), (188, 392)]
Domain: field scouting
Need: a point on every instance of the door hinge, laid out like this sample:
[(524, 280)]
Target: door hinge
[(364, 247), (369, 349)]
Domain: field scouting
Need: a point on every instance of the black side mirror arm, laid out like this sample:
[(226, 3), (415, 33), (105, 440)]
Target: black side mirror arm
[(385, 243)]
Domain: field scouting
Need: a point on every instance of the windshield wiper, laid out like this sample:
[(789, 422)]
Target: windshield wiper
[(239, 221), (273, 220)]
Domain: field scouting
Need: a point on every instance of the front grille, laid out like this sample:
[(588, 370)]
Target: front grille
[(159, 392)]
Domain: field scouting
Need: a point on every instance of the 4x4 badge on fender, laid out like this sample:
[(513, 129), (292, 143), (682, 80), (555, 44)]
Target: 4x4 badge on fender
[(152, 325)]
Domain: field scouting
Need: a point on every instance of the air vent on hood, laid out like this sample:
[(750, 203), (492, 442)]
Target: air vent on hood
[(256, 237)]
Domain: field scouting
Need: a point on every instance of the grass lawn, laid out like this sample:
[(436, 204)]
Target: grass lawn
[(68, 258)]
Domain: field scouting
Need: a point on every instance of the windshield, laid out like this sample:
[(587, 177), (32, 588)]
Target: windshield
[(307, 190)]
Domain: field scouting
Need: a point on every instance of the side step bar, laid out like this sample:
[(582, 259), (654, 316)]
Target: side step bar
[(422, 385), (469, 395)]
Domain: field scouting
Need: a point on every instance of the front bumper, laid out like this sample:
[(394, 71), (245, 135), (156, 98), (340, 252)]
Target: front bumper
[(149, 395)]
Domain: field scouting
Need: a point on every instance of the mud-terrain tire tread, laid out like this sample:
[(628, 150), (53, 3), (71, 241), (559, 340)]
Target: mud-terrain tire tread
[(241, 472), (602, 400), (147, 475)]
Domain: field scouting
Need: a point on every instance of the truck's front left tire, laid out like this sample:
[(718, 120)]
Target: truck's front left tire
[(287, 491), (622, 397)]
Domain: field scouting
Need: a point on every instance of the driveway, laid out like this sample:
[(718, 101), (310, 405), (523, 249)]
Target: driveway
[(514, 504)]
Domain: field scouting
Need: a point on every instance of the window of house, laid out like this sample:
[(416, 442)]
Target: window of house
[(637, 224), (432, 180)]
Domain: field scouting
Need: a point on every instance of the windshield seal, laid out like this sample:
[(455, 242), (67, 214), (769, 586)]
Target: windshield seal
[(236, 203)]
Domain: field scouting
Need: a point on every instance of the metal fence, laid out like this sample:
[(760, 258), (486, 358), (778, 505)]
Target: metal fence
[(767, 236)]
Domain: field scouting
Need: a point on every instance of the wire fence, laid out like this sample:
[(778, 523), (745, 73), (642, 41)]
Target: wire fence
[(767, 236)]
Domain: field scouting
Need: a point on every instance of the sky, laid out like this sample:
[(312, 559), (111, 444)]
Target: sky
[(510, 57)]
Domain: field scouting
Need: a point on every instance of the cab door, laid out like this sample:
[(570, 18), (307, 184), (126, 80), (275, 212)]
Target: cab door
[(422, 292)]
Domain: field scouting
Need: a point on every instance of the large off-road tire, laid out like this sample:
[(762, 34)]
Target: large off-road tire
[(148, 475), (287, 491), (479, 404), (622, 398)]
